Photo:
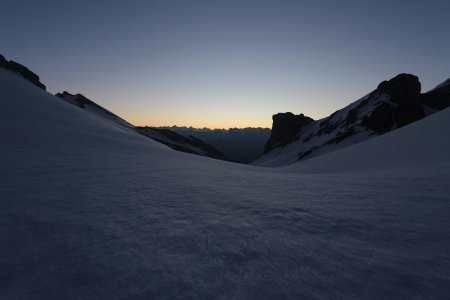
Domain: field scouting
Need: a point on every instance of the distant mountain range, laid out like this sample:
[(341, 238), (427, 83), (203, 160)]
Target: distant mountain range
[(393, 104), (188, 144), (238, 144)]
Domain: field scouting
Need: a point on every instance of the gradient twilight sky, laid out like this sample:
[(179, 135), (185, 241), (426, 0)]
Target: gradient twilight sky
[(225, 63)]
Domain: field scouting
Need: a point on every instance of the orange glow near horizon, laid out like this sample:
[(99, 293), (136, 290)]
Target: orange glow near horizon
[(219, 114), (201, 124), (206, 119), (208, 122)]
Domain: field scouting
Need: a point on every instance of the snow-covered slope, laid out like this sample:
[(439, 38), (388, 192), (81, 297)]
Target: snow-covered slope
[(90, 209), (21, 71), (169, 138), (92, 107), (395, 103)]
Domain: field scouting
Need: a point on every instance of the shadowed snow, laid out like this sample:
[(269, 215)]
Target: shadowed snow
[(90, 209)]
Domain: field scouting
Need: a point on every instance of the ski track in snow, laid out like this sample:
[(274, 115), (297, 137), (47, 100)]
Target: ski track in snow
[(89, 210)]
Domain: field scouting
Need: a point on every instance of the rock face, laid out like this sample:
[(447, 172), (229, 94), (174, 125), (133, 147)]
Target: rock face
[(404, 92), (21, 70), (285, 127), (405, 88), (395, 103)]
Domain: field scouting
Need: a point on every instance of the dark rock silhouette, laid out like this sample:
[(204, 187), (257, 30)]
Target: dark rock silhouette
[(21, 70), (404, 88), (285, 127), (380, 120), (404, 92)]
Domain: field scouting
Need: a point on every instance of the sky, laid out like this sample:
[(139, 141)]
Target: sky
[(223, 64)]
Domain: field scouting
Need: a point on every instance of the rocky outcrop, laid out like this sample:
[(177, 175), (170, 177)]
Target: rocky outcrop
[(21, 70), (394, 103), (285, 127), (403, 88), (404, 93)]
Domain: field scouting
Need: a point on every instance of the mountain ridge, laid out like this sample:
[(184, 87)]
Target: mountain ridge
[(393, 104), (22, 71)]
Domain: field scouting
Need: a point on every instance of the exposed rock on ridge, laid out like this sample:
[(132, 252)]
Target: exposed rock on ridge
[(21, 70), (405, 106), (285, 127)]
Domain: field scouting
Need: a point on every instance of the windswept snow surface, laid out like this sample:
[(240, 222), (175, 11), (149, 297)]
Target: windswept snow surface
[(92, 210)]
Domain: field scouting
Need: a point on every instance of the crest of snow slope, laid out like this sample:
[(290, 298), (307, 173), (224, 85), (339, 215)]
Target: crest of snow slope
[(88, 105), (166, 137), (92, 210), (35, 121)]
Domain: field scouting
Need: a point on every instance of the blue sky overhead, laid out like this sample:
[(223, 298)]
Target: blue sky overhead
[(225, 63)]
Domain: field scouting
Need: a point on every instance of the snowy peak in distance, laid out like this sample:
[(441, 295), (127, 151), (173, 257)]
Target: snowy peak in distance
[(394, 104), (22, 71)]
